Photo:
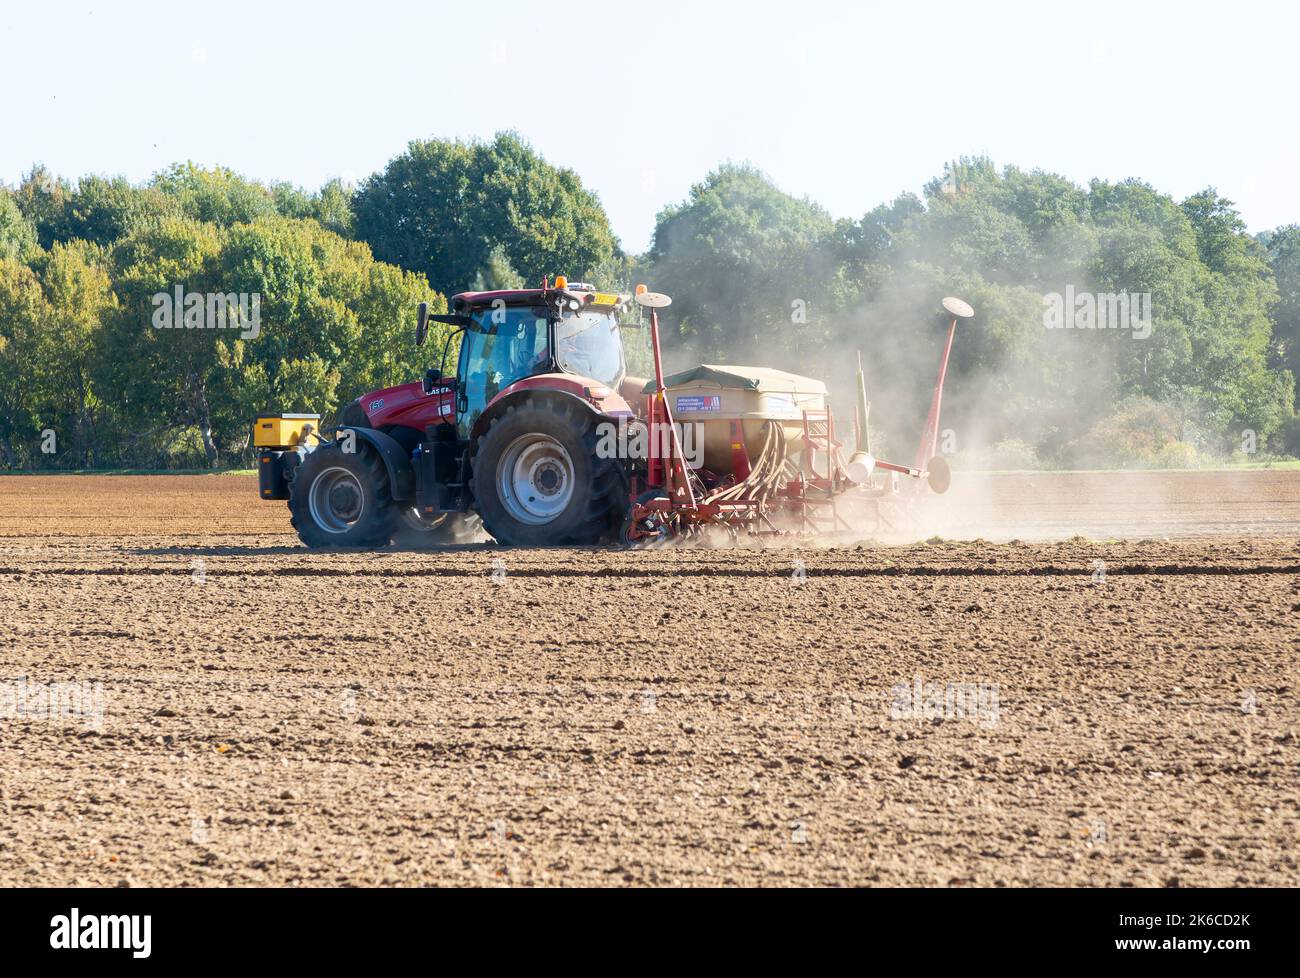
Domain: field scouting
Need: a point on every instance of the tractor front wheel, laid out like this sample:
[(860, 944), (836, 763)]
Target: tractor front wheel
[(538, 481), (342, 499)]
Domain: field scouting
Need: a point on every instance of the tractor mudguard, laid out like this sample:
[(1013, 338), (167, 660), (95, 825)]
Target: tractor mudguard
[(573, 390), (401, 473)]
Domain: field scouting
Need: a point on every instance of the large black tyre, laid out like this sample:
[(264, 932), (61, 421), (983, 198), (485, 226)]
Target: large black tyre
[(342, 499), (537, 481)]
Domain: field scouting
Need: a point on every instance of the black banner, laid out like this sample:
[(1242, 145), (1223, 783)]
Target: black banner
[(131, 929)]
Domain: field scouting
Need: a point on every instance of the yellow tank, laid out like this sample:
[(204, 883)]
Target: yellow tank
[(281, 430), (715, 394)]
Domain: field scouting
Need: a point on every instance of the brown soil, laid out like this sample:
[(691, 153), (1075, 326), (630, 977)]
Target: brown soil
[(686, 716)]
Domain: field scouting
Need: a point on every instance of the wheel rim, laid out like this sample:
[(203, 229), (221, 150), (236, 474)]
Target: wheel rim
[(336, 500), (535, 479)]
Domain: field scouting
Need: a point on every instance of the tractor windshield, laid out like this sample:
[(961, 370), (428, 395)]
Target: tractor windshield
[(589, 344)]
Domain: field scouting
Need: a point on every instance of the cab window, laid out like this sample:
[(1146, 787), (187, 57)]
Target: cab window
[(509, 346)]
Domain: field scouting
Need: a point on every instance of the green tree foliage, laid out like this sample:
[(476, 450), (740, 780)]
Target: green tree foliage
[(739, 256), (41, 197), (102, 210), (221, 196), (17, 233), (332, 207), (166, 377), (50, 316), (217, 196), (757, 276), (333, 323), (738, 253), (81, 353), (1282, 247), (79, 296), (23, 309), (461, 213)]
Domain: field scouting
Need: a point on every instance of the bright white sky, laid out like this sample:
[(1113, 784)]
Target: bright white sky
[(848, 104)]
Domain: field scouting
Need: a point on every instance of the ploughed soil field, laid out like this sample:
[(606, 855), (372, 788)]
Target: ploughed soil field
[(1106, 692)]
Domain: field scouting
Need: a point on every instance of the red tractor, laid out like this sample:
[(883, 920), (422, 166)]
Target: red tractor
[(536, 437), (510, 439)]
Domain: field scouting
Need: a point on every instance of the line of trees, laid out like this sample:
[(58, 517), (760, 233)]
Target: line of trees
[(753, 268), (757, 276)]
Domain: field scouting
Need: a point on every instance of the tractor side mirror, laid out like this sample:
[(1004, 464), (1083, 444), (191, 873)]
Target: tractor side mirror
[(422, 324)]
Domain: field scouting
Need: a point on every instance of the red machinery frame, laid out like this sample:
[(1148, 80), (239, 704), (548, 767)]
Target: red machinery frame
[(671, 505)]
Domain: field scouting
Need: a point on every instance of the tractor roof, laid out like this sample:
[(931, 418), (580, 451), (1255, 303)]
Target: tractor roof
[(526, 297), (509, 296)]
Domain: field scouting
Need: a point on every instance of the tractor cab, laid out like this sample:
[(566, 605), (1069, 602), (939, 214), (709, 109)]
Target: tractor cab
[(510, 336)]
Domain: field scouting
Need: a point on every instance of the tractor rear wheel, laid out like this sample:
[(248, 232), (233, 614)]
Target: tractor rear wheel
[(342, 499), (538, 482)]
